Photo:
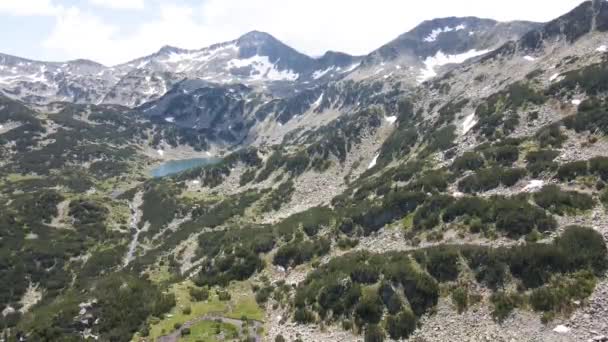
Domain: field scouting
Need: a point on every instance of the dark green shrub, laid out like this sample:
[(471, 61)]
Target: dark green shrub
[(604, 197), (558, 296), (441, 139), (552, 198), (199, 295), (369, 310), (517, 217), (365, 274), (224, 296), (504, 303), (303, 316), (460, 298), (373, 333), (468, 161), (441, 262), (491, 178), (541, 161), (584, 247), (390, 298), (401, 326), (551, 136), (504, 155), (570, 171), (510, 177), (599, 166), (296, 253), (428, 216)]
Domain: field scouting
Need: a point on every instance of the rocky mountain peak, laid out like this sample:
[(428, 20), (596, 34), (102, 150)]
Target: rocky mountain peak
[(167, 49), (257, 37), (585, 18)]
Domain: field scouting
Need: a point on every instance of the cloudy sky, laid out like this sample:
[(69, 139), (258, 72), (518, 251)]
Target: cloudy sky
[(115, 31)]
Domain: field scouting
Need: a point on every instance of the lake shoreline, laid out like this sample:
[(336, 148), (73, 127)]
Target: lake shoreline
[(175, 166)]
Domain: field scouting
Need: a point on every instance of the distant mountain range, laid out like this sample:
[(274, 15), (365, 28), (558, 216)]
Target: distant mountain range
[(256, 59)]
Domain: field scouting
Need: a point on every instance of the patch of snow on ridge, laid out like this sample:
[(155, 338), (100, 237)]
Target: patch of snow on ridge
[(317, 103), (576, 102), (602, 48), (554, 77), (320, 73), (160, 152), (529, 58), (374, 161), (264, 69), (170, 119), (142, 64), (441, 58), (436, 32), (534, 185), (468, 123), (390, 119), (352, 67)]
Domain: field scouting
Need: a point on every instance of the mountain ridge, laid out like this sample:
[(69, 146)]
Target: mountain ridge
[(254, 57)]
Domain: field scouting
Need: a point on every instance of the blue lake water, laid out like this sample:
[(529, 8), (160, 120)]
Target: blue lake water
[(176, 166)]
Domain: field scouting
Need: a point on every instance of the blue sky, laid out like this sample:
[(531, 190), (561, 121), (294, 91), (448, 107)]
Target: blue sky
[(115, 31)]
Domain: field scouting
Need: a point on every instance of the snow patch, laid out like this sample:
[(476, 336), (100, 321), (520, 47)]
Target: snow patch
[(320, 73), (317, 103), (468, 123), (264, 69), (436, 32), (529, 58), (576, 102), (390, 119), (26, 78), (373, 162), (160, 152), (534, 185), (352, 67), (458, 194), (602, 48), (142, 64), (441, 58), (561, 329), (554, 77), (170, 119)]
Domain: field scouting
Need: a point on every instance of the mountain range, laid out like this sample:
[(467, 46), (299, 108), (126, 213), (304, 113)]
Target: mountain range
[(451, 185), (254, 59)]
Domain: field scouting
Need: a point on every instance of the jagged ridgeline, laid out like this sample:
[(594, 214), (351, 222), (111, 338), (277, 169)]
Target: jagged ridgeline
[(449, 186)]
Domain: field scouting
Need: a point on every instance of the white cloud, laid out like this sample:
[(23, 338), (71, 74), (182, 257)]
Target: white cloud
[(28, 8), (81, 35), (312, 26), (119, 4)]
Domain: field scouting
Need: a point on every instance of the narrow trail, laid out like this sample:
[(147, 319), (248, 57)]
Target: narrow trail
[(136, 214), (176, 335)]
